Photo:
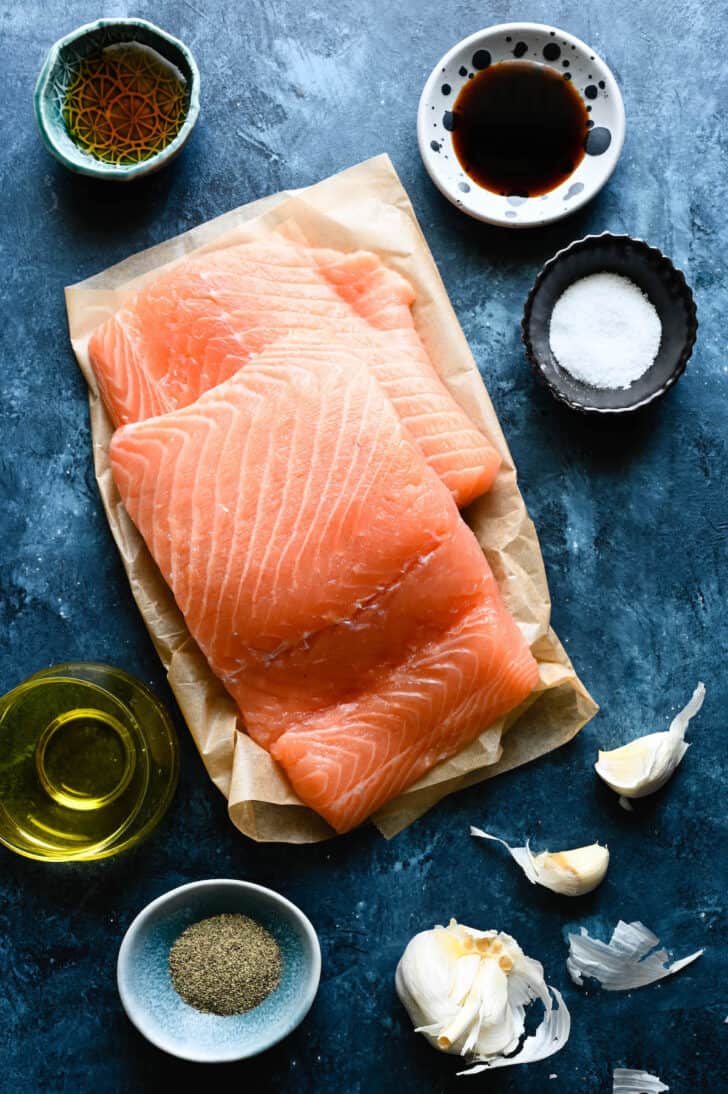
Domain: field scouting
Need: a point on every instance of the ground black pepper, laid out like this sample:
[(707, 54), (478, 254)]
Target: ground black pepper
[(225, 964)]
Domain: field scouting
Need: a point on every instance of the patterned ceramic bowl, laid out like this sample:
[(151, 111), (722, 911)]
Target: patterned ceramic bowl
[(574, 61), (155, 1008), (58, 69)]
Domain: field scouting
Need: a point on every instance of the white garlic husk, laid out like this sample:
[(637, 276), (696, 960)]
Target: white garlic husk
[(629, 960), (645, 764), (571, 873), (467, 991), (628, 1080)]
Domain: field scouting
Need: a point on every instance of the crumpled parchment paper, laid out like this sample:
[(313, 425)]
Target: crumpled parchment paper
[(364, 207)]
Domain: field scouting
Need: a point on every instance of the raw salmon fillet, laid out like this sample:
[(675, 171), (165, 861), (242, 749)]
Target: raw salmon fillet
[(325, 572), (349, 759), (200, 322)]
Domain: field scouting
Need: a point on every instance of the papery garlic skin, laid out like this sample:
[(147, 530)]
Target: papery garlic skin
[(629, 960), (645, 764), (467, 991), (570, 873), (627, 1079)]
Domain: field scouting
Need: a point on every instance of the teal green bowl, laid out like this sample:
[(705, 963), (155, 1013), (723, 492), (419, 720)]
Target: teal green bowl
[(155, 1008), (56, 73)]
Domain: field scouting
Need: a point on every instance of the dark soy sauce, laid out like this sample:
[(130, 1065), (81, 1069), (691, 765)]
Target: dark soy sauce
[(519, 128)]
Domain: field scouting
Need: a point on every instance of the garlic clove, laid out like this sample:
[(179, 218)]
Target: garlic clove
[(644, 765), (467, 991), (629, 960), (466, 969), (571, 873), (484, 1015), (626, 1080)]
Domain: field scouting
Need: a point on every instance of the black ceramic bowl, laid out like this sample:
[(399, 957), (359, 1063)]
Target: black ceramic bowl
[(656, 277)]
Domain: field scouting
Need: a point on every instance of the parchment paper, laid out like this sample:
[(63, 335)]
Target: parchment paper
[(367, 208)]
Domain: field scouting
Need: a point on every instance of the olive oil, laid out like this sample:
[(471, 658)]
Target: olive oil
[(125, 103), (519, 128), (88, 763)]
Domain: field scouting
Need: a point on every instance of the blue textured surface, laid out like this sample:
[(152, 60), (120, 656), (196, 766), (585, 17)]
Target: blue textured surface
[(632, 519)]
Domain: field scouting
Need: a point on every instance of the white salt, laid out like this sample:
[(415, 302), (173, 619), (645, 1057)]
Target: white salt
[(604, 331)]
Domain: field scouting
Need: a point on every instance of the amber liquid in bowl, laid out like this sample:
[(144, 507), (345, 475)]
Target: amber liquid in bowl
[(519, 128)]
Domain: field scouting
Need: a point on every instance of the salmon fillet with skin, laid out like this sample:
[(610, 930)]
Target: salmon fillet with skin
[(197, 324), (326, 574)]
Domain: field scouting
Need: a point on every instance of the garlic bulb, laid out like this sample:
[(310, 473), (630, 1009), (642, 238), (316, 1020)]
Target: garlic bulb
[(626, 1080), (629, 960), (467, 991), (571, 873), (645, 764)]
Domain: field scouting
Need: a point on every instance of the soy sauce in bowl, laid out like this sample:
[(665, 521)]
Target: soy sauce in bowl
[(519, 128)]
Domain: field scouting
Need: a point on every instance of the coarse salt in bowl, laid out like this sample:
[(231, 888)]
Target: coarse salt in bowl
[(556, 49), (652, 274), (605, 331)]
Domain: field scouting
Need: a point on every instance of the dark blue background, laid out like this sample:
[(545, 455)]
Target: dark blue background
[(632, 519)]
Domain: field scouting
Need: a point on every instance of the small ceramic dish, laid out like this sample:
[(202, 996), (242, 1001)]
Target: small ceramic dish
[(655, 275), (540, 44), (155, 1008), (58, 68)]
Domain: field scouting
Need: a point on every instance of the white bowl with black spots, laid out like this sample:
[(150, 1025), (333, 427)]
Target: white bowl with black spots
[(574, 61)]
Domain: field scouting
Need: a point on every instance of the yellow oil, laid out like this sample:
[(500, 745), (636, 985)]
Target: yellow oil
[(88, 763), (125, 103)]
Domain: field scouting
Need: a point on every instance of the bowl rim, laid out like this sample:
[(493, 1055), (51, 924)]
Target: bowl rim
[(306, 998), (97, 168), (648, 252), (468, 43)]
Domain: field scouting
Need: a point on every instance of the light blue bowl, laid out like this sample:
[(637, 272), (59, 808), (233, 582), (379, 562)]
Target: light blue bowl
[(53, 81), (155, 1008)]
